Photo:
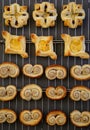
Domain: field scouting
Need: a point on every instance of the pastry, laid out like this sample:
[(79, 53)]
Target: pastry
[(73, 15), (15, 15), (31, 91), (44, 14), (15, 44), (56, 118), (55, 71), (57, 93), (75, 46), (31, 71), (7, 115), (9, 69), (80, 119), (44, 46), (30, 118), (8, 93), (79, 72)]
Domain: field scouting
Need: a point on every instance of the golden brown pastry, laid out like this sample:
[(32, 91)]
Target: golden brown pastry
[(15, 44), (44, 14), (75, 46), (57, 93), (56, 118), (73, 15), (15, 15), (80, 72), (55, 71), (30, 118), (9, 69)]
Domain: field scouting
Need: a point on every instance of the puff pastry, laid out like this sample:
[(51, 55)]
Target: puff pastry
[(30, 118), (55, 71), (15, 15), (8, 69), (45, 14), (73, 15), (80, 72), (15, 44), (75, 46)]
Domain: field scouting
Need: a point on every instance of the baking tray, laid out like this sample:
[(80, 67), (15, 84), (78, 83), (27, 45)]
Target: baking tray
[(45, 105)]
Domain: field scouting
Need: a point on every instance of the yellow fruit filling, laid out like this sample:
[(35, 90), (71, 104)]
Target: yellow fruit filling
[(43, 45), (15, 44)]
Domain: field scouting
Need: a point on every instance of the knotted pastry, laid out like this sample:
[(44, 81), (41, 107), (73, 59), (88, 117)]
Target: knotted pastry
[(80, 119), (15, 15), (56, 118), (73, 15), (31, 91), (15, 44), (8, 69), (55, 71), (7, 115), (45, 14), (31, 71), (56, 93), (75, 46), (30, 118), (44, 46), (80, 72)]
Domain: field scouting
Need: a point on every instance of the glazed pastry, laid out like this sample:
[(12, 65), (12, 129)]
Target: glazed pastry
[(45, 14), (30, 118), (44, 46), (8, 93), (31, 71), (15, 44), (80, 72), (31, 91), (8, 69), (7, 115), (15, 15), (75, 46), (73, 15), (80, 119), (55, 71), (56, 118), (56, 93)]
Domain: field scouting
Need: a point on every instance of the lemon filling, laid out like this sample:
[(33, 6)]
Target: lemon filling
[(43, 45), (15, 44)]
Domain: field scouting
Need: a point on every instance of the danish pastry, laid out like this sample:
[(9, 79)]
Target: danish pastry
[(15, 44), (15, 15), (73, 15), (45, 14)]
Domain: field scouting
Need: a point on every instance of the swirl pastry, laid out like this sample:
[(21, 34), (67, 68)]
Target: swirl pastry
[(31, 91), (80, 119), (8, 69), (55, 71), (30, 118), (80, 72), (56, 118), (56, 93)]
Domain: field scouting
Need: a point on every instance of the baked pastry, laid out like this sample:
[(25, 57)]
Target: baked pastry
[(31, 71), (73, 15), (55, 71), (56, 118), (56, 93), (15, 44), (31, 91), (9, 69), (44, 14), (80, 119), (44, 46), (15, 15), (75, 46), (30, 118), (7, 115), (8, 93), (79, 72)]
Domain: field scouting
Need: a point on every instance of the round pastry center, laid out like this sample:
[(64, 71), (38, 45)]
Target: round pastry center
[(85, 95), (28, 93), (60, 120), (86, 71), (60, 74), (10, 117), (4, 71), (52, 73), (35, 115), (60, 92), (52, 120), (77, 71), (43, 45), (28, 69), (51, 92), (35, 92), (15, 44), (12, 70), (10, 91), (36, 70), (2, 92), (76, 95), (2, 117), (77, 118), (85, 118), (27, 116)]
